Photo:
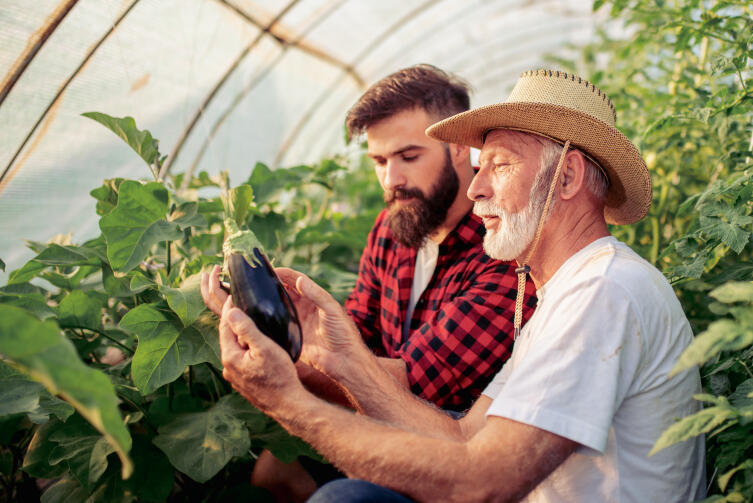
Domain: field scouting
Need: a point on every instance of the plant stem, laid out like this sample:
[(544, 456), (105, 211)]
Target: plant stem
[(169, 248), (140, 409), (108, 337)]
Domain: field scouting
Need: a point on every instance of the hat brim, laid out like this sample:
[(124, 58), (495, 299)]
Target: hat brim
[(629, 194)]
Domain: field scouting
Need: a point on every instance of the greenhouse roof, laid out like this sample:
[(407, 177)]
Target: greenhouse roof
[(224, 84)]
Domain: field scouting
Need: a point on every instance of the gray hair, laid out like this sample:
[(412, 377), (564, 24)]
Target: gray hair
[(595, 180)]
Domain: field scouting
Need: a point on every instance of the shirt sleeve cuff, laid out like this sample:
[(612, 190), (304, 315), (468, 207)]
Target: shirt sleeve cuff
[(553, 422)]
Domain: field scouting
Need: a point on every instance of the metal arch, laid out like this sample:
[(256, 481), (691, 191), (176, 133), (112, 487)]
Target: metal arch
[(282, 39), (7, 174), (25, 59), (365, 52), (251, 85)]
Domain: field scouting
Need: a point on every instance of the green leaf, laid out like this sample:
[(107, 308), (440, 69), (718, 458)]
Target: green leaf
[(721, 335), (734, 291), (206, 342), (82, 449), (688, 427), (724, 479), (153, 477), (202, 443), (26, 273), (237, 203), (186, 300), (65, 491), (39, 350), (107, 195), (285, 447), (136, 224), (187, 215), (59, 255), (162, 353), (21, 395), (81, 309), (35, 303), (140, 141), (37, 459)]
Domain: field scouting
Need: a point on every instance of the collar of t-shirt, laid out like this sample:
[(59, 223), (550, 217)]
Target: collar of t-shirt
[(426, 262)]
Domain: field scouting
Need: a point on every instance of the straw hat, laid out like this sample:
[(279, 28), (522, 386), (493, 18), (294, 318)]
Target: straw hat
[(562, 106)]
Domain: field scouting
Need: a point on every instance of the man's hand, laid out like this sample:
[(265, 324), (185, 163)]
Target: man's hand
[(214, 296), (253, 363), (330, 338)]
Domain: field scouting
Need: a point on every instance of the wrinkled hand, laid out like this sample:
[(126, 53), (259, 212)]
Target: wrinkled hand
[(330, 338), (254, 364), (214, 296)]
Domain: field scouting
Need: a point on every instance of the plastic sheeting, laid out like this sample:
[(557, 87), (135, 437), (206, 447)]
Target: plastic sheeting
[(224, 83)]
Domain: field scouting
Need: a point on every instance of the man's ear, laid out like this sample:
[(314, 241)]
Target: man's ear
[(459, 152), (572, 176)]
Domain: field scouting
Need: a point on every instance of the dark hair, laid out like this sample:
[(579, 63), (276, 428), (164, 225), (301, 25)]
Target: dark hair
[(420, 86)]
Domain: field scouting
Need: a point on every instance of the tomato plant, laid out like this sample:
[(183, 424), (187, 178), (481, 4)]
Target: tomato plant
[(682, 82)]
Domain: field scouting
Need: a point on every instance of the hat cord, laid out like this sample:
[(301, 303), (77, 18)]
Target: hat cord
[(523, 270)]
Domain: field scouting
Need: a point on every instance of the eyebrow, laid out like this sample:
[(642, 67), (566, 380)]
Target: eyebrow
[(399, 151)]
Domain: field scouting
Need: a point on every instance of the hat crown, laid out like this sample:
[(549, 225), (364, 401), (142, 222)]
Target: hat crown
[(566, 90)]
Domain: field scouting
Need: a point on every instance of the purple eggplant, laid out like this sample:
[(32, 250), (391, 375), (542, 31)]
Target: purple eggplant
[(257, 290)]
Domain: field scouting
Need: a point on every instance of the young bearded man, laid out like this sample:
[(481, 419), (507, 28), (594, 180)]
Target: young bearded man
[(435, 309)]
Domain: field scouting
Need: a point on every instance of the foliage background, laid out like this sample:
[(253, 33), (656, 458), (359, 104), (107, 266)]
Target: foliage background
[(682, 84), (680, 76)]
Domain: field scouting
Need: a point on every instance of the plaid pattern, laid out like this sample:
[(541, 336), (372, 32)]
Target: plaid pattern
[(462, 327)]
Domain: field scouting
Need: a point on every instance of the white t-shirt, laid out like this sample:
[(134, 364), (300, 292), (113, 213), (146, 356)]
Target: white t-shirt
[(426, 262), (591, 365)]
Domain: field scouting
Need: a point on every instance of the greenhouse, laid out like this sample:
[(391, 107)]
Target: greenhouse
[(316, 163)]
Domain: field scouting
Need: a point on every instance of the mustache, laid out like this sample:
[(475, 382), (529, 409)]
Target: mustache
[(487, 208), (398, 194)]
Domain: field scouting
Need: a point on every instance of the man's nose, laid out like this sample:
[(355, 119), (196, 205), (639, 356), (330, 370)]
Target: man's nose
[(394, 176), (480, 188)]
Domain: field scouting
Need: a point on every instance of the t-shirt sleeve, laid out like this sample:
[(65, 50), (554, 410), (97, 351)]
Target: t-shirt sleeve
[(577, 368)]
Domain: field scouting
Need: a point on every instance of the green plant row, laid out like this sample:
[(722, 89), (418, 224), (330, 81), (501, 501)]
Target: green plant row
[(110, 374)]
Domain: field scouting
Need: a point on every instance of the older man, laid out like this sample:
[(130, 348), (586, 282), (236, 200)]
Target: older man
[(428, 301), (574, 413)]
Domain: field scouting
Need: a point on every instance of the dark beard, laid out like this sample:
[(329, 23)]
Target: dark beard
[(412, 223)]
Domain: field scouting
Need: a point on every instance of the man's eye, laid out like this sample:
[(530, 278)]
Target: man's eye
[(410, 158), (500, 167)]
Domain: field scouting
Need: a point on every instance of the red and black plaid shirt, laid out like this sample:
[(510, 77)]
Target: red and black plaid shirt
[(462, 327)]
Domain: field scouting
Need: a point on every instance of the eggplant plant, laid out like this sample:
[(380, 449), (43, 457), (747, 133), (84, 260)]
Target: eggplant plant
[(111, 384)]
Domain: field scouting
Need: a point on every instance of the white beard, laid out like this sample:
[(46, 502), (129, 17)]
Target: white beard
[(514, 232)]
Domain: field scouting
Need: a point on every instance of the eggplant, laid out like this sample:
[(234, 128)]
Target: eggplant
[(257, 290)]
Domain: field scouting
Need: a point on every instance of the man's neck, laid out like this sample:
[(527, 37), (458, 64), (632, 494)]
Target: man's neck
[(562, 239), (460, 207)]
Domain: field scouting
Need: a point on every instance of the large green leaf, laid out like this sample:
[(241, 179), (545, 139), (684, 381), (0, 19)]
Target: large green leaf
[(202, 443), (67, 255), (153, 477), (162, 353), (721, 335), (38, 349), (65, 491), (21, 395), (186, 300), (81, 309), (237, 202), (734, 291), (82, 449), (136, 224), (140, 141), (35, 303), (688, 427), (37, 460)]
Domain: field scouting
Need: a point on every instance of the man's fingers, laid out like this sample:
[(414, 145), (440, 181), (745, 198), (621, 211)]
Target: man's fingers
[(317, 295), (214, 296)]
